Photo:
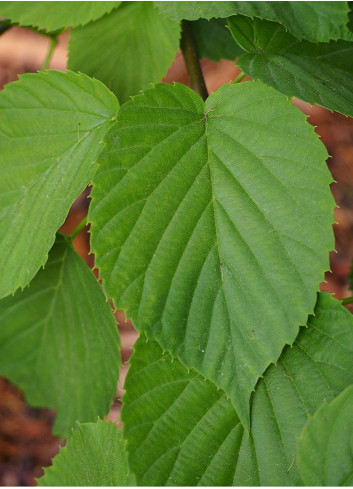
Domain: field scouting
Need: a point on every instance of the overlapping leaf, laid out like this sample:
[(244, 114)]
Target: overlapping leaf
[(195, 217), (317, 73), (55, 16), (95, 455), (314, 20), (214, 41), (325, 450), (128, 49), (159, 392), (59, 341), (51, 126)]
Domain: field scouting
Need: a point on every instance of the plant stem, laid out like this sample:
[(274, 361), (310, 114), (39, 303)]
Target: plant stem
[(52, 46), (188, 48), (347, 300), (239, 78), (79, 228)]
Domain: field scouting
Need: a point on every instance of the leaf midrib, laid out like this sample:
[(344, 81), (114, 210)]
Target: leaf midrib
[(39, 183), (213, 200), (55, 160), (288, 55)]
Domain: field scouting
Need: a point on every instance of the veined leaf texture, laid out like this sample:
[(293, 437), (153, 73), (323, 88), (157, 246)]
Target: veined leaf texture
[(210, 447), (95, 455), (195, 216), (59, 341), (55, 123)]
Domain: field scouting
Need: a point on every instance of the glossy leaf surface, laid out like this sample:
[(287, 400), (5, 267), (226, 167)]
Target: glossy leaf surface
[(128, 49), (196, 209), (51, 126), (210, 447), (325, 449), (56, 15), (317, 73), (314, 20), (95, 455), (59, 341)]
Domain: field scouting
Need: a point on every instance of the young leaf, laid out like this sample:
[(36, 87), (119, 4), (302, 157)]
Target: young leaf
[(160, 391), (55, 16), (195, 217), (95, 455), (59, 341), (214, 41), (51, 126), (325, 446), (317, 73), (315, 21), (128, 49)]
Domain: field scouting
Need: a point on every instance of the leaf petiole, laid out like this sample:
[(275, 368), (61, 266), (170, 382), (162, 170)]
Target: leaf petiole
[(239, 78), (347, 300), (52, 46), (79, 228)]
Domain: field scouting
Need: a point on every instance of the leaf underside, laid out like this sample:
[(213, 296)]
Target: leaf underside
[(145, 39), (57, 16), (315, 21), (160, 390), (325, 447), (316, 73), (214, 41), (95, 455), (195, 217), (52, 124), (59, 341)]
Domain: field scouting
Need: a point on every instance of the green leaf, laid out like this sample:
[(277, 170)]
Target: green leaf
[(195, 216), (52, 124), (210, 447), (128, 49), (95, 455), (325, 446), (315, 21), (196, 10), (317, 73), (162, 450), (59, 341), (55, 16), (259, 36), (214, 41)]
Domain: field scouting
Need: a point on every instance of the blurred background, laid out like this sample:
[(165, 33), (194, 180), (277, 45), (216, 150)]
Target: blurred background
[(26, 443)]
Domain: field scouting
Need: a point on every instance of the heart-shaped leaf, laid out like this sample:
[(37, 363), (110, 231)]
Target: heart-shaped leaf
[(195, 216)]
